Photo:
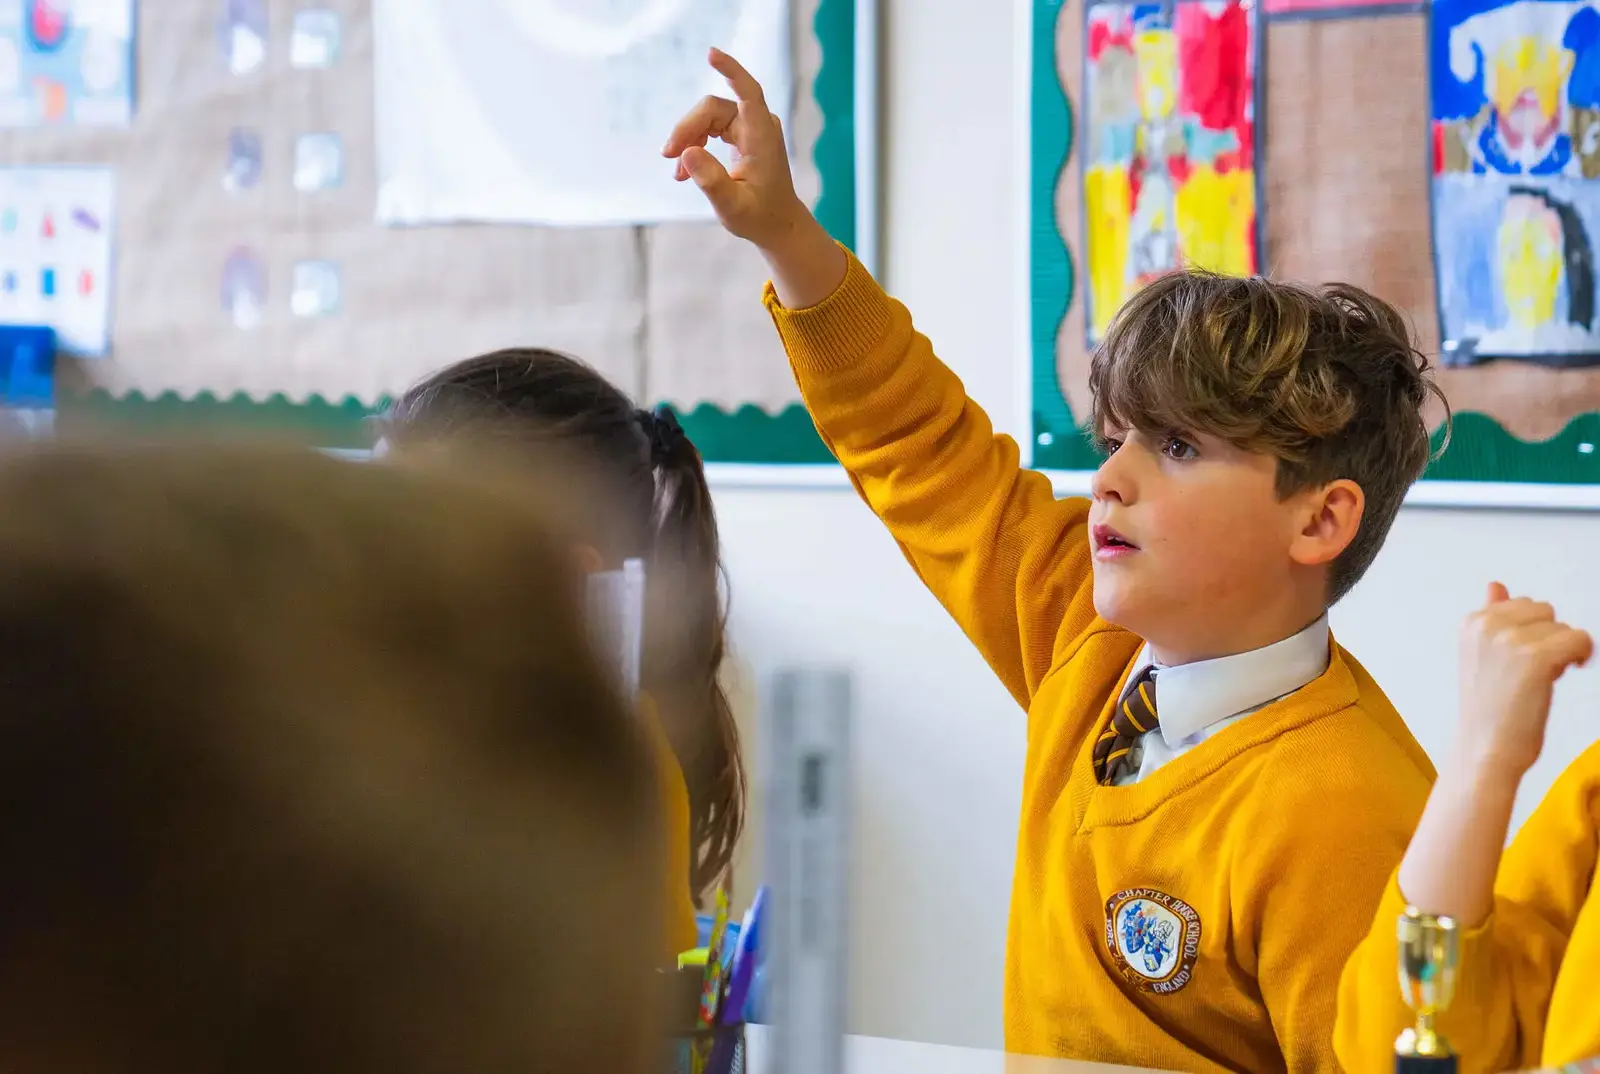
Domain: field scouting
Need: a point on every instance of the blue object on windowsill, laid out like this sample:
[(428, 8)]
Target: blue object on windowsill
[(27, 367)]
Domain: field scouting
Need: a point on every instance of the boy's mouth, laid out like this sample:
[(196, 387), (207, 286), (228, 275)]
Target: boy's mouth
[(1109, 544)]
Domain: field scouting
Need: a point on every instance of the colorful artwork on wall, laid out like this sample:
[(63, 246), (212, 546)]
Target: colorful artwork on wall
[(1515, 112), (1169, 149)]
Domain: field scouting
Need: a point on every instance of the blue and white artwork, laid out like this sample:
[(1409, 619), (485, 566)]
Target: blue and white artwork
[(56, 229), (66, 62), (1515, 111)]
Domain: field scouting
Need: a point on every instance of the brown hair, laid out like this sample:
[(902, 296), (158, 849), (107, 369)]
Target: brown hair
[(1326, 379), (655, 478), (289, 778)]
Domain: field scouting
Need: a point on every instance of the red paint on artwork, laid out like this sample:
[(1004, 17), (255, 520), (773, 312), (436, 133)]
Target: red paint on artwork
[(1109, 32), (1245, 155), (1216, 81), (1438, 148)]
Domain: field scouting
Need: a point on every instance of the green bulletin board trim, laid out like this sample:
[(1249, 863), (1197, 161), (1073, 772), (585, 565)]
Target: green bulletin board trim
[(1480, 449), (317, 421), (1058, 442), (747, 435), (835, 92)]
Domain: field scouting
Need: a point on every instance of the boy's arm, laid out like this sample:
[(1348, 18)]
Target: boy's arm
[(1506, 972), (1514, 929), (1550, 867), (1495, 1022), (1008, 560), (1512, 653)]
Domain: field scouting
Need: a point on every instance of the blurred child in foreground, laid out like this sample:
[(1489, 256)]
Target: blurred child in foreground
[(290, 780)]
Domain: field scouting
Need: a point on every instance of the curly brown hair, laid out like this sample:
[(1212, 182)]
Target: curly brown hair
[(290, 779), (1328, 380)]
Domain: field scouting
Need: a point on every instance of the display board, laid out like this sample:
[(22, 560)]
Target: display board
[(253, 286), (1442, 159)]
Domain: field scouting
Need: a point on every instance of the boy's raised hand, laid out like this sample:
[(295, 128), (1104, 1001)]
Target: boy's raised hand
[(1512, 653), (755, 197)]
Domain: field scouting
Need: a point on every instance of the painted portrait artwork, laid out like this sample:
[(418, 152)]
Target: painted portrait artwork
[(1169, 149), (1515, 112)]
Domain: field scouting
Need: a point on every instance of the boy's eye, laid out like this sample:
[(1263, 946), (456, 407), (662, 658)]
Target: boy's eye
[(1107, 445), (1176, 447)]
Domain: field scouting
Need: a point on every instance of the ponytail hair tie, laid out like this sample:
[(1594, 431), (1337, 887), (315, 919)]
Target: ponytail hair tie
[(663, 431)]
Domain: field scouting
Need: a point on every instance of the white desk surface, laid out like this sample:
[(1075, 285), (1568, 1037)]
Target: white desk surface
[(873, 1055)]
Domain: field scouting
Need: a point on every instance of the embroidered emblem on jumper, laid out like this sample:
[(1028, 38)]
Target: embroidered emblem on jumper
[(1154, 939)]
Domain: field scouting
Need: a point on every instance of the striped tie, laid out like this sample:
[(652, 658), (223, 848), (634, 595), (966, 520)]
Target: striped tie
[(1134, 717)]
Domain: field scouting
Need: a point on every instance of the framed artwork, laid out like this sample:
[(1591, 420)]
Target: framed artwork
[(1469, 207)]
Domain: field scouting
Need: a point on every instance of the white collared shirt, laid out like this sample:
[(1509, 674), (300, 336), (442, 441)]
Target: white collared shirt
[(1195, 701)]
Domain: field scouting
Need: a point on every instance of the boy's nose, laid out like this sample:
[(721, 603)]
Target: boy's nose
[(1113, 480)]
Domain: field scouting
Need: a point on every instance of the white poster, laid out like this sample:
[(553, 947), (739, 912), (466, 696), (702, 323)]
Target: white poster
[(554, 111), (55, 253)]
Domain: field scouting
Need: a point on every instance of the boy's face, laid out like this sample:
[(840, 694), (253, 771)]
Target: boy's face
[(1193, 549)]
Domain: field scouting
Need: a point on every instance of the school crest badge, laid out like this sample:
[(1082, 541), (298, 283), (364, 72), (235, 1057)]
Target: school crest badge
[(1154, 939)]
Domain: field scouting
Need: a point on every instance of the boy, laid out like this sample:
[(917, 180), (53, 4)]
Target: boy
[(1214, 791), (1530, 921)]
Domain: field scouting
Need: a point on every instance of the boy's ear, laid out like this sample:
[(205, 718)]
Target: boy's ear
[(1330, 522)]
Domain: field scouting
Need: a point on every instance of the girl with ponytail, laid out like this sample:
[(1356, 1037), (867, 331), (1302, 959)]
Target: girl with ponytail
[(559, 409)]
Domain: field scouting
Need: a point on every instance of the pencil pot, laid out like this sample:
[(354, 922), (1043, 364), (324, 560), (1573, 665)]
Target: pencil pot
[(693, 1048), (721, 1051)]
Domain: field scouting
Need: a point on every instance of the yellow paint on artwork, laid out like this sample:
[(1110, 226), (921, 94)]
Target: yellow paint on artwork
[(1529, 248), (1528, 65), (1156, 52), (1215, 210), (1107, 203)]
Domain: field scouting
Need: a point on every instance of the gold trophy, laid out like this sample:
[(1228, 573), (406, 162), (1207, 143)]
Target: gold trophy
[(1429, 953)]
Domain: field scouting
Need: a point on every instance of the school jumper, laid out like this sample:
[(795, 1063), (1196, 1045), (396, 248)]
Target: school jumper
[(1196, 919), (1525, 994), (682, 932)]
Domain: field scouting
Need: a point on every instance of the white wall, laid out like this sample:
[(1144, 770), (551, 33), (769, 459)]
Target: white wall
[(939, 746)]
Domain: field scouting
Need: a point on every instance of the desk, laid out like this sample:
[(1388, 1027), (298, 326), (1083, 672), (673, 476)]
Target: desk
[(873, 1055)]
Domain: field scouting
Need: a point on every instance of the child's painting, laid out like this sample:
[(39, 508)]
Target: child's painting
[(66, 62), (1515, 110), (56, 227), (1169, 155)]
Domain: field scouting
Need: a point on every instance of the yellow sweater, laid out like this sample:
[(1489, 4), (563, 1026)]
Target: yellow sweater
[(1526, 993), (1245, 871), (682, 931)]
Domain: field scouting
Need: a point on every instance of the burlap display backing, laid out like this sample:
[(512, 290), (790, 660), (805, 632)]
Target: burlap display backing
[(671, 313)]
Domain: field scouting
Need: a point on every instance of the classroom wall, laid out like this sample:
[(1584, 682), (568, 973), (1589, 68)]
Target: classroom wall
[(938, 742)]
